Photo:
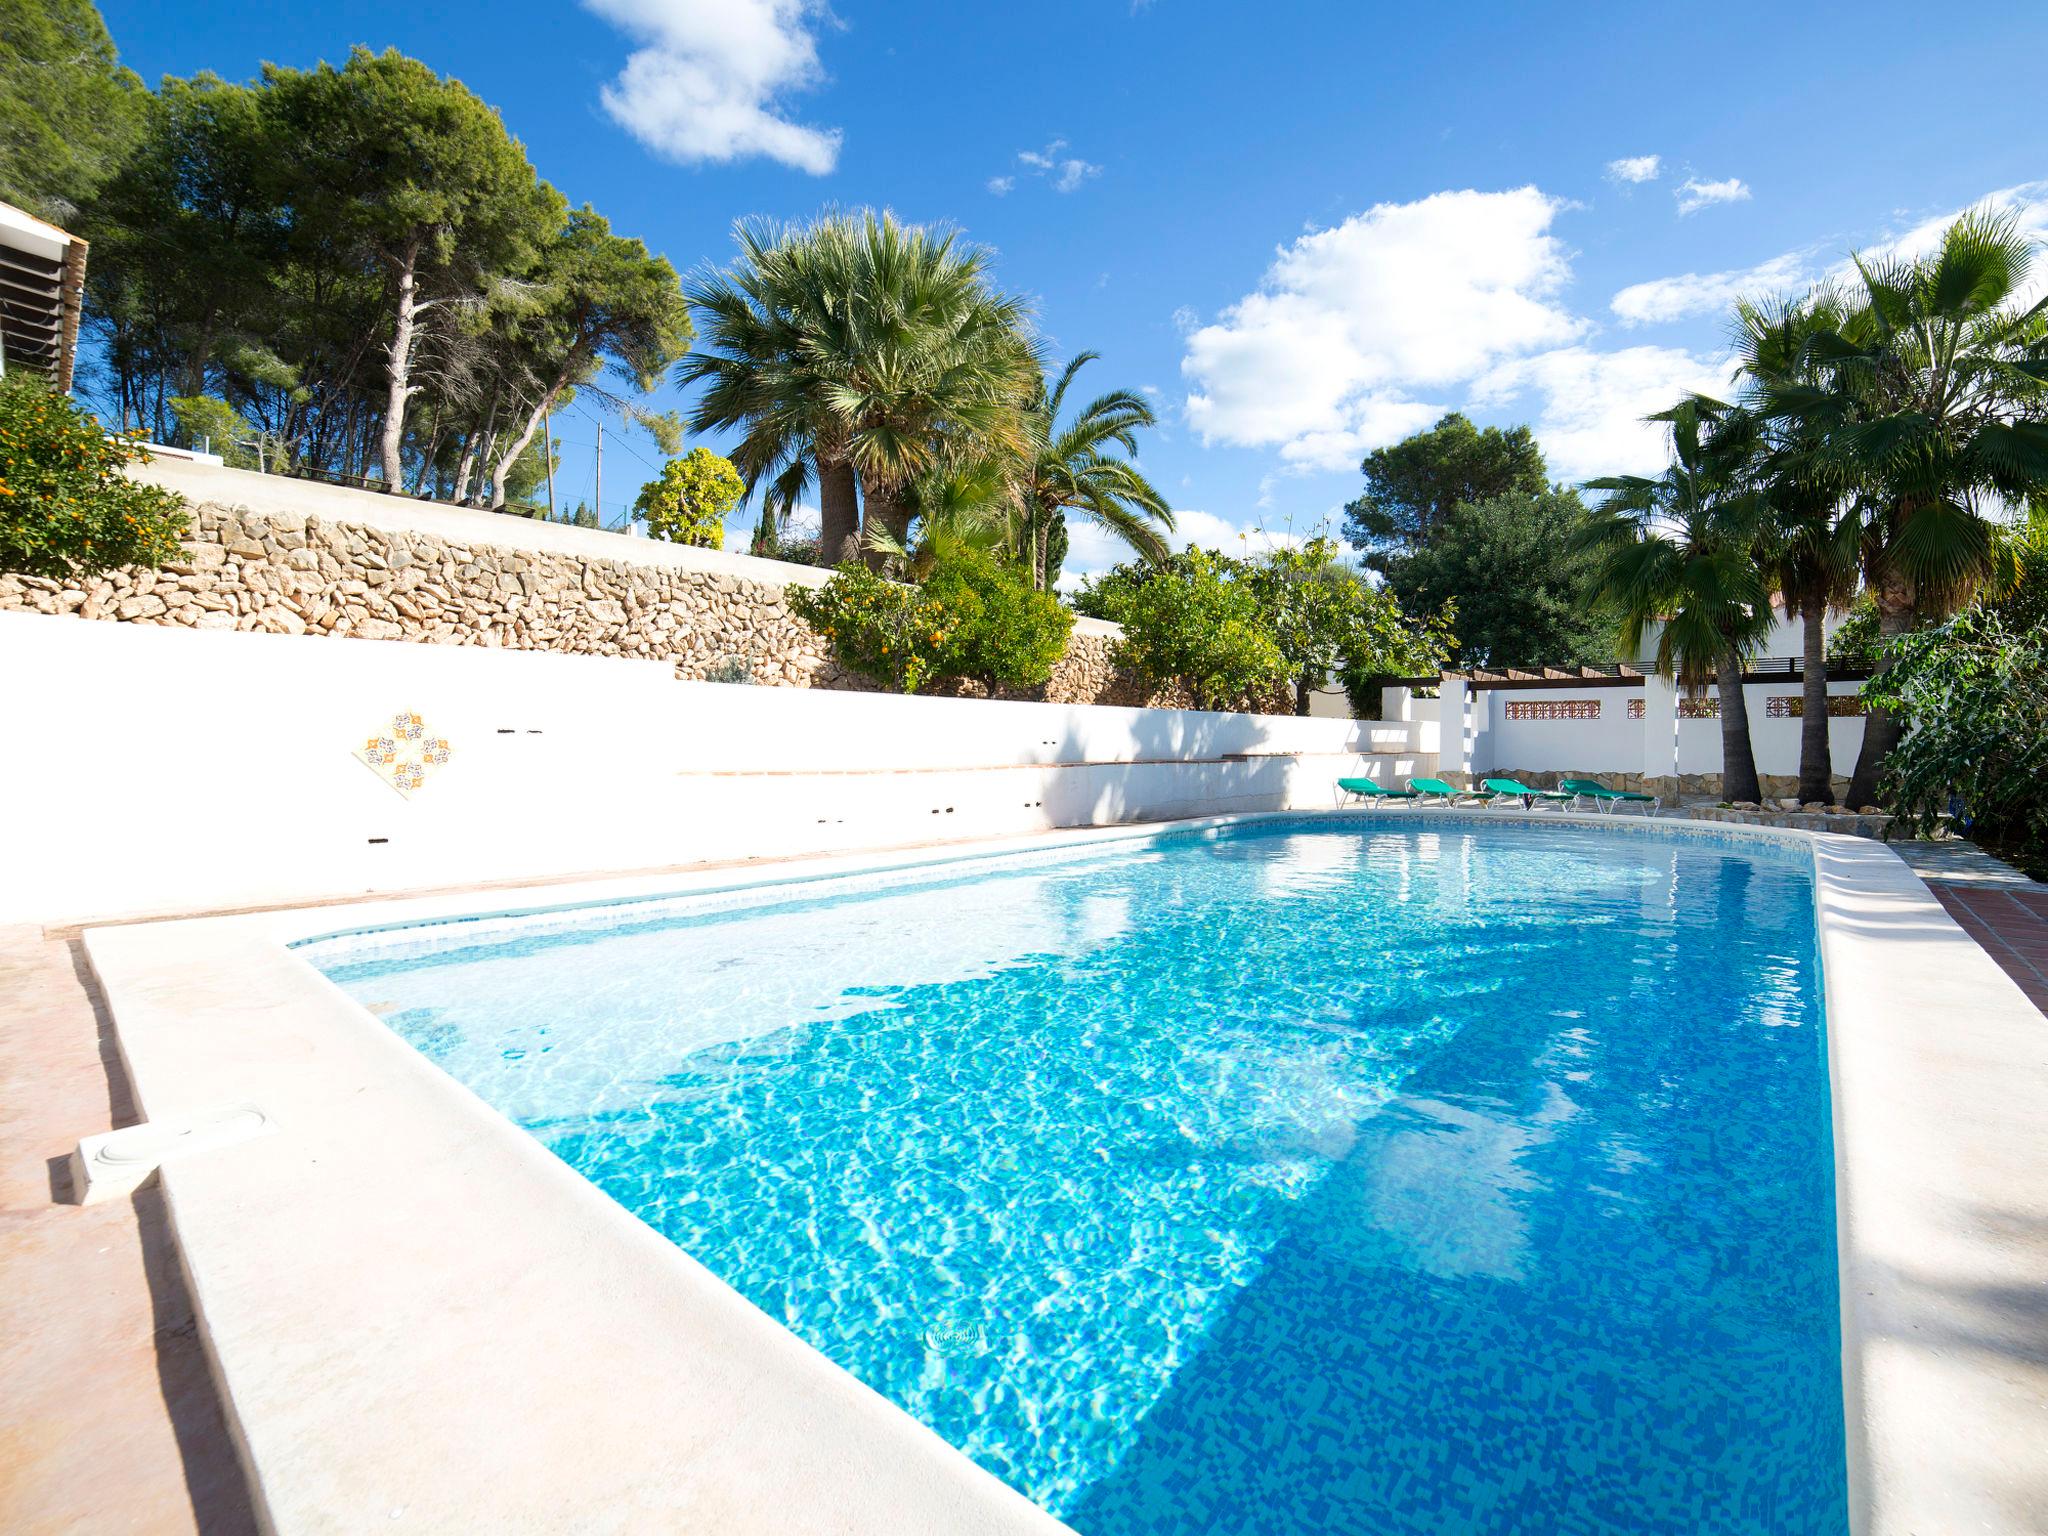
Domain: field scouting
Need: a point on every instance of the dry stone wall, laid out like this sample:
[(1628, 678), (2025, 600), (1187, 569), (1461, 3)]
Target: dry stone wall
[(284, 574)]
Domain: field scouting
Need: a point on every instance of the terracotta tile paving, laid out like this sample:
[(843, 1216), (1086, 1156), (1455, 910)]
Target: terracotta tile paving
[(108, 1416), (2010, 923)]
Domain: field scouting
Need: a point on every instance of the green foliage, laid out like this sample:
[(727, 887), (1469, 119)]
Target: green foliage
[(859, 348), (1193, 619), (886, 630), (1677, 552), (1235, 629), (266, 243), (66, 508), (1327, 620), (1070, 470), (972, 618), (1412, 487), (731, 669), (1006, 632), (688, 504), (204, 422), (1524, 594), (1854, 642), (1973, 696), (68, 111)]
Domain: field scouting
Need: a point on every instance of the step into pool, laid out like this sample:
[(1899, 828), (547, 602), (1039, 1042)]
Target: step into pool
[(1300, 1176)]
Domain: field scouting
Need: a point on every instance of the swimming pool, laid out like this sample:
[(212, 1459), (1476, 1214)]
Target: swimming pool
[(1412, 1177)]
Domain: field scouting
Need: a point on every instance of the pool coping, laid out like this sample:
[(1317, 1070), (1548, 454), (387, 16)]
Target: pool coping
[(397, 1286)]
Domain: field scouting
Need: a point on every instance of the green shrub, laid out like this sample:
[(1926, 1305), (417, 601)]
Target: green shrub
[(66, 508), (971, 618), (1972, 695), (1006, 633), (1192, 619), (688, 504), (878, 628)]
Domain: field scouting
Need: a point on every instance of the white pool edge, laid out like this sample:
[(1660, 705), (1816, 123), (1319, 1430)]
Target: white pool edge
[(495, 1279)]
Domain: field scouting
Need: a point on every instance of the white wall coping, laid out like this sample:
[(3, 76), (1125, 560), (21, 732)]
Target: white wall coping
[(395, 1287), (283, 496)]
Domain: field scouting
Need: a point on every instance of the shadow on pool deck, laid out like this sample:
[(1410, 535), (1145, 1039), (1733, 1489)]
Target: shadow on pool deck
[(110, 1419)]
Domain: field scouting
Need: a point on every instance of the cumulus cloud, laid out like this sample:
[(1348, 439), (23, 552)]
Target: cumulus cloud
[(1711, 293), (705, 81), (1694, 194), (1064, 171), (1352, 329), (1590, 405), (1001, 185), (1635, 169)]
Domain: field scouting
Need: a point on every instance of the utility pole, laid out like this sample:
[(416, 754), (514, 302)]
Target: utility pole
[(600, 474), (547, 453)]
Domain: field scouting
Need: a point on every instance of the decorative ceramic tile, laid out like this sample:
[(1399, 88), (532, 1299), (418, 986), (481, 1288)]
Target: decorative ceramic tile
[(402, 750)]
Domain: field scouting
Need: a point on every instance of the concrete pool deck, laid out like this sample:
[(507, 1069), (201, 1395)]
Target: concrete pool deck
[(397, 1284)]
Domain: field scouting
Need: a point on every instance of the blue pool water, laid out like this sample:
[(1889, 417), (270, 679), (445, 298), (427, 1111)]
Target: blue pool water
[(1301, 1179)]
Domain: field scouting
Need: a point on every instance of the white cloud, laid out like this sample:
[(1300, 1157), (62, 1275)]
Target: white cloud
[(1066, 172), (2028, 202), (1694, 194), (704, 82), (1635, 169), (1590, 419), (1352, 327), (1712, 293), (1000, 185)]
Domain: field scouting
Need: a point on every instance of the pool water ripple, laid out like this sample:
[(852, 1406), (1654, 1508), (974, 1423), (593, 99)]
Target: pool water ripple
[(1388, 1178)]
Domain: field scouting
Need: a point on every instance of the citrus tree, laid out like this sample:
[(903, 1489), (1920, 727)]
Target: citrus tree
[(67, 507), (689, 502), (970, 618), (1193, 618)]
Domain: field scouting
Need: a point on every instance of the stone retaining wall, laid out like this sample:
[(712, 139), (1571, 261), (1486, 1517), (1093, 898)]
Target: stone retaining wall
[(286, 574)]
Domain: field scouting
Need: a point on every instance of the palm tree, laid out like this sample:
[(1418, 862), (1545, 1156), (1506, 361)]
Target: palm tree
[(1814, 544), (1070, 470), (1931, 406), (859, 349), (1681, 548), (768, 323)]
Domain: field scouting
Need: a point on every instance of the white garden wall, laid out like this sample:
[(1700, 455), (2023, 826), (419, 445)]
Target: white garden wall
[(157, 769), (1500, 730)]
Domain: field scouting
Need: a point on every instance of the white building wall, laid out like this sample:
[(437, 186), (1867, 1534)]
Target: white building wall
[(157, 769)]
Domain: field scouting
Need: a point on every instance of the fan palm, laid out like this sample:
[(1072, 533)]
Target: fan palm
[(1070, 470), (1680, 550), (1814, 543), (858, 350), (764, 322), (1929, 404)]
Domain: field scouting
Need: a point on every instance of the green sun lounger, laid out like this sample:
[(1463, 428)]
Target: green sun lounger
[(1366, 789), (1528, 796), (1607, 799), (1437, 789)]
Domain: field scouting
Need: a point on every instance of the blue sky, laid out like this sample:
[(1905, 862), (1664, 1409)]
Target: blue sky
[(1305, 229)]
